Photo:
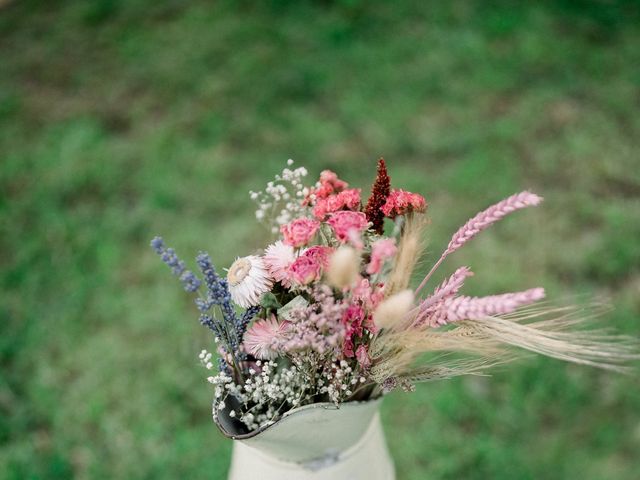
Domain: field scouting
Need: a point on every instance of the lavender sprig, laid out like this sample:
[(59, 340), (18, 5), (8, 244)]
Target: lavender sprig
[(190, 281), (243, 321), (229, 329), (218, 295)]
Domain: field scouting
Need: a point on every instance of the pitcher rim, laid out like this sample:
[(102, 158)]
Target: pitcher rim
[(311, 406)]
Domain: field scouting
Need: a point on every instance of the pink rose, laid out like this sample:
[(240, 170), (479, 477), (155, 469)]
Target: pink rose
[(380, 251), (347, 224), (305, 270), (299, 232), (400, 202)]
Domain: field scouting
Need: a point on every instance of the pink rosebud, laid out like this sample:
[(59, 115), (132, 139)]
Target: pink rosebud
[(401, 202), (345, 222), (305, 269), (380, 251), (299, 232)]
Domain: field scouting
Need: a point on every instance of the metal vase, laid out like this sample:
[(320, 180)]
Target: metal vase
[(315, 442)]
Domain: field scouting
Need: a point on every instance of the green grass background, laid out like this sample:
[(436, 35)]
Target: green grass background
[(120, 120)]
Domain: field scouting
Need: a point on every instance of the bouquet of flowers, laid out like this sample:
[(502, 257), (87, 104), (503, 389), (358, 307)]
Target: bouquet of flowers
[(325, 313)]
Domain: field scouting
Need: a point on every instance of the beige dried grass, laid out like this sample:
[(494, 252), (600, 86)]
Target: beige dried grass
[(410, 249), (551, 330)]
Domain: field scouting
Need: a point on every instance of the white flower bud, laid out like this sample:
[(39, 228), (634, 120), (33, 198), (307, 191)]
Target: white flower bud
[(343, 267), (393, 309)]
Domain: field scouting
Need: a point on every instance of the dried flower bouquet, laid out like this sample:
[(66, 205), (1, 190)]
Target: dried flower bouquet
[(325, 312)]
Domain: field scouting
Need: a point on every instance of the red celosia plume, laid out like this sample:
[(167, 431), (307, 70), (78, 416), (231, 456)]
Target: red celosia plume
[(379, 193)]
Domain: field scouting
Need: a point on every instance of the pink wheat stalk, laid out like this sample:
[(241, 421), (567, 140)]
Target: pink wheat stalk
[(447, 289), (482, 221), (478, 308)]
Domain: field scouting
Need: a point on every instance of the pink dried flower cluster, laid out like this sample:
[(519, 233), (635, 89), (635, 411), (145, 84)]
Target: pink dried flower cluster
[(317, 328), (401, 202), (358, 320), (363, 358), (345, 200), (352, 319), (300, 231), (369, 296), (328, 184)]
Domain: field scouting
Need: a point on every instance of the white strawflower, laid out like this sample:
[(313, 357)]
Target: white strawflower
[(392, 310), (248, 280), (344, 266)]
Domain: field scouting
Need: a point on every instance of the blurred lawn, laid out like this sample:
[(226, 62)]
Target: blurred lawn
[(120, 120)]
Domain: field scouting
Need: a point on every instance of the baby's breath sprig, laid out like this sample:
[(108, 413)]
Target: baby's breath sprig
[(281, 200)]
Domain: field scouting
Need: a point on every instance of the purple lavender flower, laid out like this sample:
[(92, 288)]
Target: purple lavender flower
[(189, 280), (230, 328)]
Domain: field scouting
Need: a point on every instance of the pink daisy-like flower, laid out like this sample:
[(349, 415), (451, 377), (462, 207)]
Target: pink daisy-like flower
[(305, 270), (263, 334), (347, 199), (401, 202), (346, 223), (300, 231), (278, 257), (380, 251)]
